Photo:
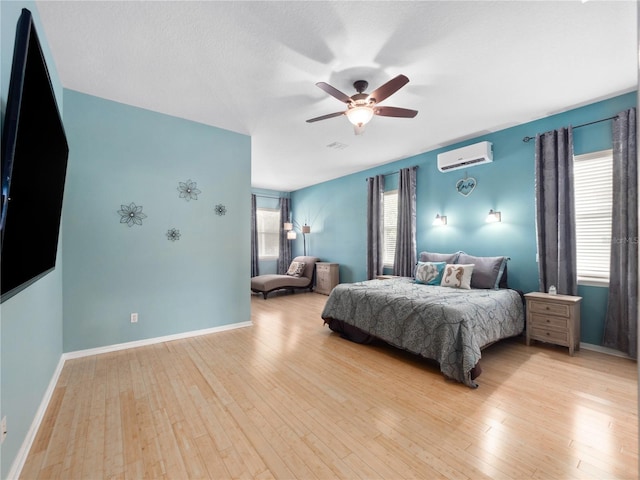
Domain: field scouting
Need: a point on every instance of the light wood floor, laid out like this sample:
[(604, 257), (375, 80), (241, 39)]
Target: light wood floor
[(286, 398)]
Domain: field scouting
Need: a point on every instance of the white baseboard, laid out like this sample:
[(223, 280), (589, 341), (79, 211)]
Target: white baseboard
[(605, 350), (21, 457), (152, 341)]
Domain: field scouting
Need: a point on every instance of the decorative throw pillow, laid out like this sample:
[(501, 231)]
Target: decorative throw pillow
[(429, 273), (438, 257), (487, 272), (457, 276), (296, 269)]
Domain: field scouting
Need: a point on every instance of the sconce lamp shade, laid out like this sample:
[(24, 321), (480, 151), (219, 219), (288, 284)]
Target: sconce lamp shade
[(291, 235), (440, 220), (288, 226), (306, 229), (493, 216)]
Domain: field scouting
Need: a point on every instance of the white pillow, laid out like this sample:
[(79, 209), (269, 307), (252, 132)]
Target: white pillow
[(457, 276), (296, 269)]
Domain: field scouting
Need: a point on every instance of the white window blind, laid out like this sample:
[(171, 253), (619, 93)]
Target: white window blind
[(390, 223), (593, 186), (268, 227)]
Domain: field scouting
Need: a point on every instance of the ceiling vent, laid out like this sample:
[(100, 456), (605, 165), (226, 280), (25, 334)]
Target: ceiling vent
[(466, 157)]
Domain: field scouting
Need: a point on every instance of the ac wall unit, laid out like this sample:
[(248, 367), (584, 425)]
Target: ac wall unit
[(465, 157)]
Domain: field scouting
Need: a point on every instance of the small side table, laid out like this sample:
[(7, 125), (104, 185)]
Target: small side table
[(554, 319), (327, 277)]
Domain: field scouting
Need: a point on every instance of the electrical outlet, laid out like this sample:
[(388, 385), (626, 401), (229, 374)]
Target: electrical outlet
[(3, 429), (134, 318)]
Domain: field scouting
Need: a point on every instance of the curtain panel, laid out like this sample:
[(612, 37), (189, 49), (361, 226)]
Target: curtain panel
[(375, 233), (254, 239), (555, 211), (621, 327), (284, 256), (405, 258)]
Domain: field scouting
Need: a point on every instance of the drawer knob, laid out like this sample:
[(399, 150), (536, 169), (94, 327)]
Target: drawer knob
[(548, 334), (547, 307)]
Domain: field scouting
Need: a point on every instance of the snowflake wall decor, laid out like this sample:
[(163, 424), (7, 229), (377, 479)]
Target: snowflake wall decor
[(173, 234), (131, 214), (220, 209), (188, 190)]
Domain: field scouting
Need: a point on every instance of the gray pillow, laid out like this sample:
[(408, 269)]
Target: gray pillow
[(439, 257), (487, 271)]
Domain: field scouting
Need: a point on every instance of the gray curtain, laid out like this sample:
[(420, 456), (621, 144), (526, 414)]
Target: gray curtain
[(405, 259), (375, 233), (555, 211), (284, 257), (621, 328), (254, 239)]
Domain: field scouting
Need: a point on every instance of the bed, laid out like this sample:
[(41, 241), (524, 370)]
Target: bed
[(448, 325)]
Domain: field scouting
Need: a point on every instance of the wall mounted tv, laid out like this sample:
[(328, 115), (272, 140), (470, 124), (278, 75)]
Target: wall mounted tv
[(34, 164)]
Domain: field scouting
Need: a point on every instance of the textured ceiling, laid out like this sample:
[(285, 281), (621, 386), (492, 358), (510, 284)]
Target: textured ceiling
[(251, 67)]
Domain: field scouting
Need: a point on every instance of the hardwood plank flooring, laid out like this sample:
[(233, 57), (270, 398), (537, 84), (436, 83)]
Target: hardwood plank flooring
[(286, 398)]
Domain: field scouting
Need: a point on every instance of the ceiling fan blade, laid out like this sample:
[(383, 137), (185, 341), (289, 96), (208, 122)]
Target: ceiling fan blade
[(324, 117), (395, 112), (389, 88), (334, 92)]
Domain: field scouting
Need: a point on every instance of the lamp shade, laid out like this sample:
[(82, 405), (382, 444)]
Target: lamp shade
[(306, 229), (291, 235), (360, 116), (288, 226), (439, 220), (493, 216)]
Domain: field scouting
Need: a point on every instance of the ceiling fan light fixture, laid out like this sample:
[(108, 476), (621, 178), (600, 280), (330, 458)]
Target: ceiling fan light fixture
[(360, 116)]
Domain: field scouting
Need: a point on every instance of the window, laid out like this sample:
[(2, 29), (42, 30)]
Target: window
[(390, 222), (593, 186), (268, 226)]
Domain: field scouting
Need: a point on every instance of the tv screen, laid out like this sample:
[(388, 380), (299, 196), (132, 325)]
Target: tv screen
[(34, 164)]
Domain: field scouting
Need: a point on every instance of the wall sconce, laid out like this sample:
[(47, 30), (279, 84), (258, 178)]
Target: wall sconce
[(493, 217), (288, 226), (440, 220), (291, 235)]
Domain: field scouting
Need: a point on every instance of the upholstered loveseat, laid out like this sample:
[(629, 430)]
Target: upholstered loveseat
[(303, 279)]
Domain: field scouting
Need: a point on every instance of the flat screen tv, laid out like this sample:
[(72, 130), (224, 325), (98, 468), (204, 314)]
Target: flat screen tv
[(34, 164)]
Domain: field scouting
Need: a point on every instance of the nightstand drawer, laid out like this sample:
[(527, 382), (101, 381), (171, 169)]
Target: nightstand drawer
[(322, 267), (549, 308), (552, 336), (545, 321)]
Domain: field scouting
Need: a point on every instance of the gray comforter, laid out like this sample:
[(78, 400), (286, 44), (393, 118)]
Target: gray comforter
[(445, 324)]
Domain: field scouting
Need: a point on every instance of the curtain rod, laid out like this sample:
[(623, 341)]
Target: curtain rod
[(392, 173), (263, 195), (527, 139)]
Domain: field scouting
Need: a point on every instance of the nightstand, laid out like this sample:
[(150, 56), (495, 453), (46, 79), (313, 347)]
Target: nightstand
[(327, 277), (554, 319)]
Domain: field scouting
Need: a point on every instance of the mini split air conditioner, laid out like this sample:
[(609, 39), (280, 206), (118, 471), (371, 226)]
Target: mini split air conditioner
[(465, 157)]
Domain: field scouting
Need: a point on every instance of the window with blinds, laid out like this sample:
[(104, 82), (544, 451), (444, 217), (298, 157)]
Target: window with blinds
[(268, 230), (390, 222), (593, 186)]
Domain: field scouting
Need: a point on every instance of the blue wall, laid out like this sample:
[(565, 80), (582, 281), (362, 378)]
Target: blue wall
[(31, 321), (337, 208), (122, 154)]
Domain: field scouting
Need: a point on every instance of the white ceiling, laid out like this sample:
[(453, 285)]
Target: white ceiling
[(251, 67)]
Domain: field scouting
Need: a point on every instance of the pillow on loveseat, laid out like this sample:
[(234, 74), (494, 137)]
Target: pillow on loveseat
[(296, 269)]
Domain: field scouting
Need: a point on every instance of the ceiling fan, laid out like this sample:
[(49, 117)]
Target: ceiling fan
[(361, 107)]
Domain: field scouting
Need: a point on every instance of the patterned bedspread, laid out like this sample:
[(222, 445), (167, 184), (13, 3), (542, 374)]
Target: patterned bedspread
[(445, 324)]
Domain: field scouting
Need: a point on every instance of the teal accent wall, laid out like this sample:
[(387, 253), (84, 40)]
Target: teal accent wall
[(31, 321), (122, 154), (337, 208)]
